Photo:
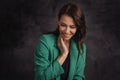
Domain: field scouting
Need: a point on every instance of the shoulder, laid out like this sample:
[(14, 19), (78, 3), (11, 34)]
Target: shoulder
[(83, 46), (48, 38), (83, 51)]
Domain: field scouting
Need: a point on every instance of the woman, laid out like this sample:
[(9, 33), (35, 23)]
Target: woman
[(61, 55)]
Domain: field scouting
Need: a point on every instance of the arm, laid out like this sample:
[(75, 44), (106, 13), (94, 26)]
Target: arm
[(44, 69), (79, 73)]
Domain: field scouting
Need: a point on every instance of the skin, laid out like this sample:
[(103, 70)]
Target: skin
[(67, 30)]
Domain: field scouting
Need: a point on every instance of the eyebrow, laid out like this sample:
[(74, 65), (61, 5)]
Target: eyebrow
[(65, 24)]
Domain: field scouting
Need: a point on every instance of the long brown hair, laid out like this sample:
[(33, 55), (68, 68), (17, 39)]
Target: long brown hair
[(73, 10)]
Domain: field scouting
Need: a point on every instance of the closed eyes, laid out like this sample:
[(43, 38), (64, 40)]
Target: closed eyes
[(64, 25)]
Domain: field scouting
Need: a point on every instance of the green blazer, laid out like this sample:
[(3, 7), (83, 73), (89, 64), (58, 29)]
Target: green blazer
[(45, 58)]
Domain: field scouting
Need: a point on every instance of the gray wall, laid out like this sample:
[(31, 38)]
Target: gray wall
[(23, 21)]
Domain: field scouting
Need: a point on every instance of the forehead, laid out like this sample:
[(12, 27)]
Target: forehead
[(67, 19)]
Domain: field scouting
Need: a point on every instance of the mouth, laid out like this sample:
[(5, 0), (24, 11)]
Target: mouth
[(66, 35)]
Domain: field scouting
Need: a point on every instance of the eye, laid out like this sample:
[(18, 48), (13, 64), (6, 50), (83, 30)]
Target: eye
[(72, 26), (63, 25)]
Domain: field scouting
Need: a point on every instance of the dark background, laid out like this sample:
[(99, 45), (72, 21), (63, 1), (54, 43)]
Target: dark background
[(23, 21)]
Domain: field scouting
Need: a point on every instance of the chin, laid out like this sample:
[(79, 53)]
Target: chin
[(67, 39)]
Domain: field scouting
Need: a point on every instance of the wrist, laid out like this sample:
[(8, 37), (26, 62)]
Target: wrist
[(64, 54)]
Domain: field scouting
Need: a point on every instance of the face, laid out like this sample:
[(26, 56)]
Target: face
[(67, 27)]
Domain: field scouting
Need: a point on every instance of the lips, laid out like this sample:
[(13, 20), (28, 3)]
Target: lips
[(66, 35)]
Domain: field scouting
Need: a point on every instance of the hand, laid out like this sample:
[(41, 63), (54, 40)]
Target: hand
[(63, 46)]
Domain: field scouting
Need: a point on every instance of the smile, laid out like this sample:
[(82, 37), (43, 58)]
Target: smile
[(67, 35)]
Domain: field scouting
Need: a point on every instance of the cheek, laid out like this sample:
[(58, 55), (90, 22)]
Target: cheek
[(74, 31), (61, 29)]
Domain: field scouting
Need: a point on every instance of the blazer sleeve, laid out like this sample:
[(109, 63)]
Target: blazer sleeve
[(44, 69), (80, 65)]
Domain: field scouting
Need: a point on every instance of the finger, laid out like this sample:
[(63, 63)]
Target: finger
[(62, 42)]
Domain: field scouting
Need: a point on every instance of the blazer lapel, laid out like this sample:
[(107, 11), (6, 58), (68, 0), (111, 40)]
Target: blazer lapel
[(73, 59)]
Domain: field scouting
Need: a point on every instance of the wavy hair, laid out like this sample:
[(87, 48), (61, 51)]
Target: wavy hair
[(76, 13)]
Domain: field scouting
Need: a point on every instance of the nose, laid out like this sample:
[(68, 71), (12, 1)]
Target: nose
[(67, 30)]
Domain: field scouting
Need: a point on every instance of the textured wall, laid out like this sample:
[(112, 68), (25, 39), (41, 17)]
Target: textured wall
[(23, 21)]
